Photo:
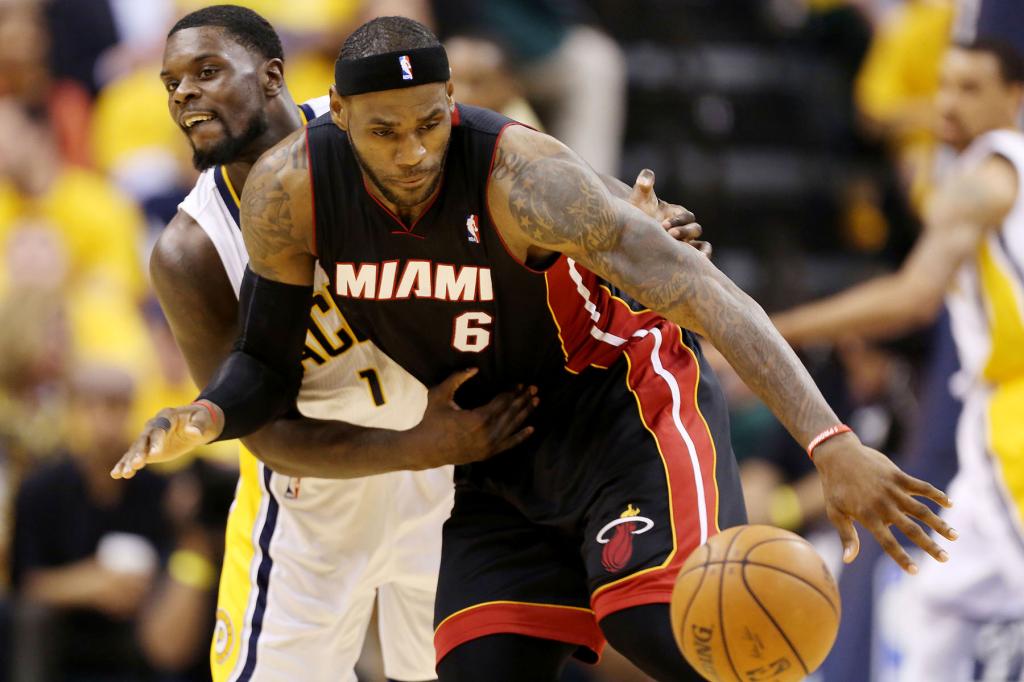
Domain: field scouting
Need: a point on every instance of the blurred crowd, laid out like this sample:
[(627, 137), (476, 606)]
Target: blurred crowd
[(799, 131)]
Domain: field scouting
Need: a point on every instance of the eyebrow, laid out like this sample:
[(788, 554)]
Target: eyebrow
[(377, 121), (197, 58)]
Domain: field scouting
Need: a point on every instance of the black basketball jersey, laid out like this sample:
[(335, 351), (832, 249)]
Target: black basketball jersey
[(444, 294)]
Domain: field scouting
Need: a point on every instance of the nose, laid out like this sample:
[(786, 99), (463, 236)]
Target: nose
[(410, 151), (186, 90)]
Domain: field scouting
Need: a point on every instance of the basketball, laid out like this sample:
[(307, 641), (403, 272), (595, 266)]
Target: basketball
[(755, 603)]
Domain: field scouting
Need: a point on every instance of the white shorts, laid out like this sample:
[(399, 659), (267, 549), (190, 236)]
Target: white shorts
[(953, 611), (306, 558)]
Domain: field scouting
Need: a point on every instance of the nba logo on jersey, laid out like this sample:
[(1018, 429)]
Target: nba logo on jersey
[(473, 229), (406, 65), (294, 486)]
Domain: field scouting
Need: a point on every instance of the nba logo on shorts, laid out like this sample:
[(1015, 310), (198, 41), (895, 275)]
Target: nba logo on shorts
[(473, 229), (406, 65)]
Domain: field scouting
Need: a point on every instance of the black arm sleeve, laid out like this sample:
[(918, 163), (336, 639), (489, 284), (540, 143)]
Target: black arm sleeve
[(258, 382)]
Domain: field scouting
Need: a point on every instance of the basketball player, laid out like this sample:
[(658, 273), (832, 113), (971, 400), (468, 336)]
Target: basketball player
[(282, 614), (453, 237), (972, 253)]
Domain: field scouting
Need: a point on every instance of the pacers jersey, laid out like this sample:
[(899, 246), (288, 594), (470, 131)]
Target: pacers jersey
[(987, 304), (443, 293), (305, 558), (987, 314)]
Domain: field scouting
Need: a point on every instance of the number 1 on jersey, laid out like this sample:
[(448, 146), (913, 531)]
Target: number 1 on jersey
[(373, 382), (470, 334)]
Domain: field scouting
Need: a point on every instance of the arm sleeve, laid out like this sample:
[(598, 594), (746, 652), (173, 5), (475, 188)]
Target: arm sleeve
[(259, 380)]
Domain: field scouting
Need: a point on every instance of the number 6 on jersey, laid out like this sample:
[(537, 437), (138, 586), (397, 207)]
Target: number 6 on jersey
[(470, 334)]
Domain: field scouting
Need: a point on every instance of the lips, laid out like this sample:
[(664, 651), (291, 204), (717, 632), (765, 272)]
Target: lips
[(412, 182), (191, 119)]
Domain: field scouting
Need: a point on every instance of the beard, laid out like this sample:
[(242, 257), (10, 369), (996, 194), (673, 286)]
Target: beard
[(232, 146), (391, 195)]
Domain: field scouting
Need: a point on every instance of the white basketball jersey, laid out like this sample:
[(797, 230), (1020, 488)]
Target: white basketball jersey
[(987, 303), (305, 558)]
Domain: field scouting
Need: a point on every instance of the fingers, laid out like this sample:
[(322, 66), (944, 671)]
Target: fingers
[(916, 535), (922, 512), (643, 188), (124, 468), (892, 547), (916, 486), (152, 440), (509, 434), (449, 386), (514, 440), (847, 534), (678, 217), (703, 247), (684, 233)]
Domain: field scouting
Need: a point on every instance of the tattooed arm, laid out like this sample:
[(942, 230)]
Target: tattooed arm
[(544, 199), (277, 214), (956, 220)]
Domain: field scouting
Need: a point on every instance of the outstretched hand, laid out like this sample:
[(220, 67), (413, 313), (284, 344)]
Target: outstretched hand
[(863, 485), (680, 223), (452, 435), (173, 432)]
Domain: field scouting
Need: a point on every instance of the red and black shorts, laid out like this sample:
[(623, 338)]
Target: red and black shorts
[(597, 514)]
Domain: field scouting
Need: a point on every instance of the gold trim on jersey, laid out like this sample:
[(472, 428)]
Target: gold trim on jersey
[(1004, 304), (231, 187), (1006, 441), (236, 585)]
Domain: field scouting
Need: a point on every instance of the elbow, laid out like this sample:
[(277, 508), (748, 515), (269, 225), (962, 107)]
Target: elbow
[(919, 303), (275, 455)]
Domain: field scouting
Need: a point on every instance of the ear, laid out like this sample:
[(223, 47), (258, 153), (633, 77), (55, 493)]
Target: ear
[(1017, 91), (273, 77), (338, 111), (450, 89)]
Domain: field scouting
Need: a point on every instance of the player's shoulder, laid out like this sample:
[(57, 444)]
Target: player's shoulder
[(316, 107), (518, 145), (182, 250), (284, 168), (997, 177)]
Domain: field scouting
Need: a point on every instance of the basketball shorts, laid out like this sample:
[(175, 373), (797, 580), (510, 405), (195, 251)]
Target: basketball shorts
[(954, 608), (598, 511), (305, 561)]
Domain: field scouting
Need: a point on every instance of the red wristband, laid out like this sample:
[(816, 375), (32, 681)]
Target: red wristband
[(209, 408), (825, 435)]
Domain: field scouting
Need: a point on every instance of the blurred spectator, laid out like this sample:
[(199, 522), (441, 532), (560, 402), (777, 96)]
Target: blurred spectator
[(178, 623), (482, 78), (85, 544), (896, 87), (573, 73), (25, 77), (98, 225), (23, 51)]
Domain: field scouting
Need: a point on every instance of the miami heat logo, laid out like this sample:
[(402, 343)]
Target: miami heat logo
[(406, 65), (619, 547)]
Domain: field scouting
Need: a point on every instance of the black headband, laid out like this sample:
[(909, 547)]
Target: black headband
[(402, 69)]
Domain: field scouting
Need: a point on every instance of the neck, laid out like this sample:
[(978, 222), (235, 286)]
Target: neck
[(407, 214), (283, 119)]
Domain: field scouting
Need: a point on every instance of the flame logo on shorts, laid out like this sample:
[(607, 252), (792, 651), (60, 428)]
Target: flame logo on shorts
[(618, 549)]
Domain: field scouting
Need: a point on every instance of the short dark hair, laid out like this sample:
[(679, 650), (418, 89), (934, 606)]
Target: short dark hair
[(386, 34), (249, 29), (1011, 64)]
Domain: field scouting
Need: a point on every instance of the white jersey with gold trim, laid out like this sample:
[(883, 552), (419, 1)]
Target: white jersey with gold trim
[(952, 608), (306, 558)]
